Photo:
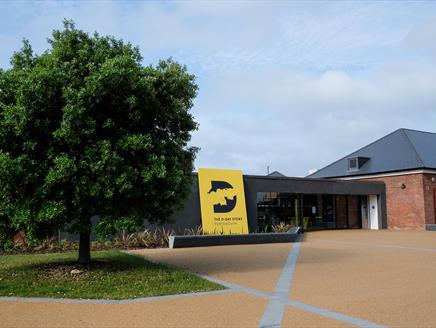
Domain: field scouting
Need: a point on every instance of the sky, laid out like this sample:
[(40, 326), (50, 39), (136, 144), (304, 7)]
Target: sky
[(292, 86)]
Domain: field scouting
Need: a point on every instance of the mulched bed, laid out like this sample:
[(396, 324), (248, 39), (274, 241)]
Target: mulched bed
[(37, 250)]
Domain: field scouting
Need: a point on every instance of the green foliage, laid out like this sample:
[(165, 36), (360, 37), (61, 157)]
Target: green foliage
[(86, 130), (105, 228), (7, 244)]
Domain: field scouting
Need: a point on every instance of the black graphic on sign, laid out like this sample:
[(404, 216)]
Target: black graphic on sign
[(230, 202)]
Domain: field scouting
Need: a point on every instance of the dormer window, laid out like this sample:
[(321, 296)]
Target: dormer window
[(355, 163), (352, 164)]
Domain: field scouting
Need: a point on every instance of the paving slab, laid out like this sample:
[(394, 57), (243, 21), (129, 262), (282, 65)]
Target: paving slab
[(298, 318), (229, 310), (360, 274), (254, 266)]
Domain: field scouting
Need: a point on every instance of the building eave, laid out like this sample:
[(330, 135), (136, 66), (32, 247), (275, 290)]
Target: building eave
[(385, 174)]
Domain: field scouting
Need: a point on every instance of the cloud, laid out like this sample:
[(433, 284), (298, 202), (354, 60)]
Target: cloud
[(290, 85), (222, 36), (296, 122)]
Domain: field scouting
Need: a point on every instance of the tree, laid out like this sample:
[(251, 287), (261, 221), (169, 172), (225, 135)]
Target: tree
[(86, 130)]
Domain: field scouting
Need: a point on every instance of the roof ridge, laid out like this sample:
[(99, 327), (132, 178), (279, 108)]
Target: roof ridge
[(377, 140), (414, 130), (413, 145)]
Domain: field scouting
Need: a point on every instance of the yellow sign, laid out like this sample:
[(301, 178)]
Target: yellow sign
[(222, 201)]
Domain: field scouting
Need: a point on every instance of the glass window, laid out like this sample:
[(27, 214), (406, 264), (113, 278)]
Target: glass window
[(352, 164), (318, 211), (311, 211), (276, 207)]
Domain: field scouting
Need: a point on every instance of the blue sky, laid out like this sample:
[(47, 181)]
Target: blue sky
[(290, 85)]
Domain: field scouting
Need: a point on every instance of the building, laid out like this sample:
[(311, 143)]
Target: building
[(312, 203), (405, 161), (390, 183)]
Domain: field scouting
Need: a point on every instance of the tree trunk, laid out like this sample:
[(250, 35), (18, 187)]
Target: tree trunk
[(84, 248)]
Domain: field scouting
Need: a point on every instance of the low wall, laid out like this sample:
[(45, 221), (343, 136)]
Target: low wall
[(220, 240)]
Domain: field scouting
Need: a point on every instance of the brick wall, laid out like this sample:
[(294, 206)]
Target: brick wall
[(407, 208)]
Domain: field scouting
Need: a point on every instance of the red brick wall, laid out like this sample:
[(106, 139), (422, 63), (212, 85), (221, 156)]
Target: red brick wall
[(407, 208)]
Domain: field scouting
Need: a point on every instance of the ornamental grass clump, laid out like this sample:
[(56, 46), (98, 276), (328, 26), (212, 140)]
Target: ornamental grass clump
[(195, 231), (150, 239), (281, 227)]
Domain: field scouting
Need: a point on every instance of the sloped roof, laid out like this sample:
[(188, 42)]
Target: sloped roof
[(401, 150), (276, 174)]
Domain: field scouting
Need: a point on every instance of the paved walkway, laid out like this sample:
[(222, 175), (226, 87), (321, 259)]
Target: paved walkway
[(333, 279)]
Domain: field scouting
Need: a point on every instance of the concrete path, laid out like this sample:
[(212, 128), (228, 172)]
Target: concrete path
[(333, 279)]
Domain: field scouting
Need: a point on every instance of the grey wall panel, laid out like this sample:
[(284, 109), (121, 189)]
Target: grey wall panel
[(251, 204), (314, 186), (186, 218), (190, 215)]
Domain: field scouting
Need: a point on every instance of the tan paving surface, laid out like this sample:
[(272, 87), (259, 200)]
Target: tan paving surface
[(230, 310), (387, 285), (298, 318), (348, 272), (255, 266), (423, 239)]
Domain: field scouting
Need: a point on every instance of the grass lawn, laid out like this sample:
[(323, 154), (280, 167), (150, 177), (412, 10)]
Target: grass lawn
[(112, 275)]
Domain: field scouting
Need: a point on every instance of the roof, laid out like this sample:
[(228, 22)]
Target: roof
[(275, 174), (401, 150)]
